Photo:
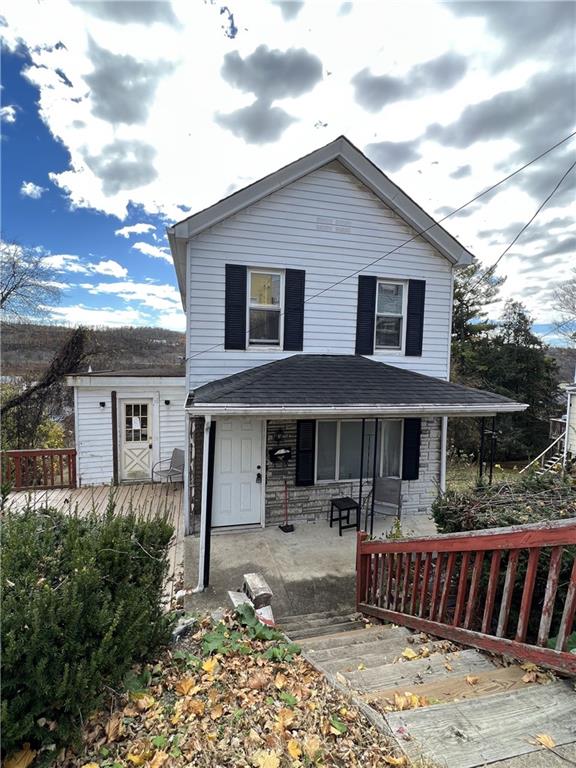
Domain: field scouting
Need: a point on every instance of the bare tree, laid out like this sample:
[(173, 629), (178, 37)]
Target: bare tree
[(27, 284), (565, 305)]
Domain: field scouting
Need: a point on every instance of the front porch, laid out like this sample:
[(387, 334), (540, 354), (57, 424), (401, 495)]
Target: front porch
[(309, 570)]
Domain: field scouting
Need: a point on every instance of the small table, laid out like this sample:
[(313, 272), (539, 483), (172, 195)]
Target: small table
[(344, 505)]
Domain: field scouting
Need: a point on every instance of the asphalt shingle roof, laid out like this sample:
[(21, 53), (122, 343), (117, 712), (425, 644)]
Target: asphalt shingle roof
[(345, 380)]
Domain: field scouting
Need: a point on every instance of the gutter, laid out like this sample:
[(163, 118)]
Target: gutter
[(355, 410)]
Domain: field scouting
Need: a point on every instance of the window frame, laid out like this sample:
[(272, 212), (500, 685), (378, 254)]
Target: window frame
[(266, 307), (337, 457), (390, 281)]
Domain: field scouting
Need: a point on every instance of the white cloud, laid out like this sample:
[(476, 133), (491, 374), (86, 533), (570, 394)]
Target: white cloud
[(68, 262), (134, 229), (158, 160), (109, 267), (29, 189), (161, 297), (8, 114), (79, 314), (154, 251)]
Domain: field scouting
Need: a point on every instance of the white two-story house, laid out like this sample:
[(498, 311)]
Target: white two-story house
[(318, 320)]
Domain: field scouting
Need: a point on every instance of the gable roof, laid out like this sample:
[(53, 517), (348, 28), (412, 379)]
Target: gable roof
[(353, 160), (343, 383)]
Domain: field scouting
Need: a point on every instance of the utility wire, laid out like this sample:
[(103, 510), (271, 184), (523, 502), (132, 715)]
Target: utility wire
[(490, 271), (427, 229)]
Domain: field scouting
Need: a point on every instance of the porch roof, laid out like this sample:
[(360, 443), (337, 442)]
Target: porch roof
[(348, 384)]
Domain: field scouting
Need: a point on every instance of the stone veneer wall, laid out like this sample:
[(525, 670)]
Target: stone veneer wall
[(197, 450), (314, 500)]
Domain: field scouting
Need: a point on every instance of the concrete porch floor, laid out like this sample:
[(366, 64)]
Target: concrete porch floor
[(309, 570)]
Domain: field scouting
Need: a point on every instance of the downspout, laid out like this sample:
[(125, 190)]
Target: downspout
[(443, 445), (203, 506)]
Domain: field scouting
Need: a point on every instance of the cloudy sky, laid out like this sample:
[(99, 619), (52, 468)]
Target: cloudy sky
[(120, 117)]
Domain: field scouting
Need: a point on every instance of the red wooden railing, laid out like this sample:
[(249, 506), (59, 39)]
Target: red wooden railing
[(39, 468), (471, 587)]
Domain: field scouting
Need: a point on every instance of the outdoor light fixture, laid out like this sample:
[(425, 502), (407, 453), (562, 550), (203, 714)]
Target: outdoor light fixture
[(166, 402), (279, 435), (102, 404)]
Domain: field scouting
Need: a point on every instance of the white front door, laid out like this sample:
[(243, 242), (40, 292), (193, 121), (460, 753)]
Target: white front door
[(136, 439), (238, 472)]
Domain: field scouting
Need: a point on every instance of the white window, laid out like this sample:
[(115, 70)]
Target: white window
[(338, 449), (390, 314), (264, 307)]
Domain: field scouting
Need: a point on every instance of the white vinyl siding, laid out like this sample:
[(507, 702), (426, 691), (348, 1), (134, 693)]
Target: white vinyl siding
[(94, 426), (329, 225)]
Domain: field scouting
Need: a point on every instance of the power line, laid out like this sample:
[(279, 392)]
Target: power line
[(418, 234), (490, 271)]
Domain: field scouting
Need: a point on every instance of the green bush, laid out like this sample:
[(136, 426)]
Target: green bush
[(530, 499), (82, 601)]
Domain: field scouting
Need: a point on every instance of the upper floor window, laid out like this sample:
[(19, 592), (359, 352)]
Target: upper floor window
[(265, 296), (390, 314)]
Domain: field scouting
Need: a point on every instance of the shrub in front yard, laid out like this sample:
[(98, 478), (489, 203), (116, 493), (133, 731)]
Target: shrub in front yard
[(530, 499), (81, 602)]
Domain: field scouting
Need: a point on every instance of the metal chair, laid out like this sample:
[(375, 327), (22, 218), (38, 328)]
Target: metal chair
[(388, 493), (175, 471)]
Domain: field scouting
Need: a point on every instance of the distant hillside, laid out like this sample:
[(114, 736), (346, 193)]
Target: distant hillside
[(27, 349), (566, 362)]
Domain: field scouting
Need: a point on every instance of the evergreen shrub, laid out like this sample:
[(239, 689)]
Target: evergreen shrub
[(82, 601)]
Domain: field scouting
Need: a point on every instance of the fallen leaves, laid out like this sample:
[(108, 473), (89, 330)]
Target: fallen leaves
[(244, 707), (20, 759), (472, 679), (544, 740), (293, 749), (265, 759), (409, 654), (184, 687)]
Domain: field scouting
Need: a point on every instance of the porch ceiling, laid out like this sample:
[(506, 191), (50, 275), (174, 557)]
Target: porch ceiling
[(342, 385)]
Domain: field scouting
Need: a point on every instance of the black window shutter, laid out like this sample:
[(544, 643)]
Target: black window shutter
[(305, 449), (294, 310), (365, 315), (235, 309), (415, 317), (411, 449)]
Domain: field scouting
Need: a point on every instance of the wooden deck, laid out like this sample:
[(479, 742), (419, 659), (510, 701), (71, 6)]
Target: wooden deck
[(144, 498), (147, 499)]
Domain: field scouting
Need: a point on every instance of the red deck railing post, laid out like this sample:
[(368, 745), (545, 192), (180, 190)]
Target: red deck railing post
[(35, 468)]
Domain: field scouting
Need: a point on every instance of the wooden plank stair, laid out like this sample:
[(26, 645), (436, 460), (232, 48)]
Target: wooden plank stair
[(472, 710)]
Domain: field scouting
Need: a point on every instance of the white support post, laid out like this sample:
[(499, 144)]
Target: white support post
[(567, 432), (203, 507), (443, 445)]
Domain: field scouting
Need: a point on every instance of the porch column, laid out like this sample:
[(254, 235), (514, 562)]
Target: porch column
[(203, 507)]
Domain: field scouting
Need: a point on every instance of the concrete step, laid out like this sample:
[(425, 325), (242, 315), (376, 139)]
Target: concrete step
[(408, 675), (328, 629), (481, 731), (338, 639)]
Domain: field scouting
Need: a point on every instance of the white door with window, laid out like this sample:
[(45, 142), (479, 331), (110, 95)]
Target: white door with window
[(136, 440), (238, 472)]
